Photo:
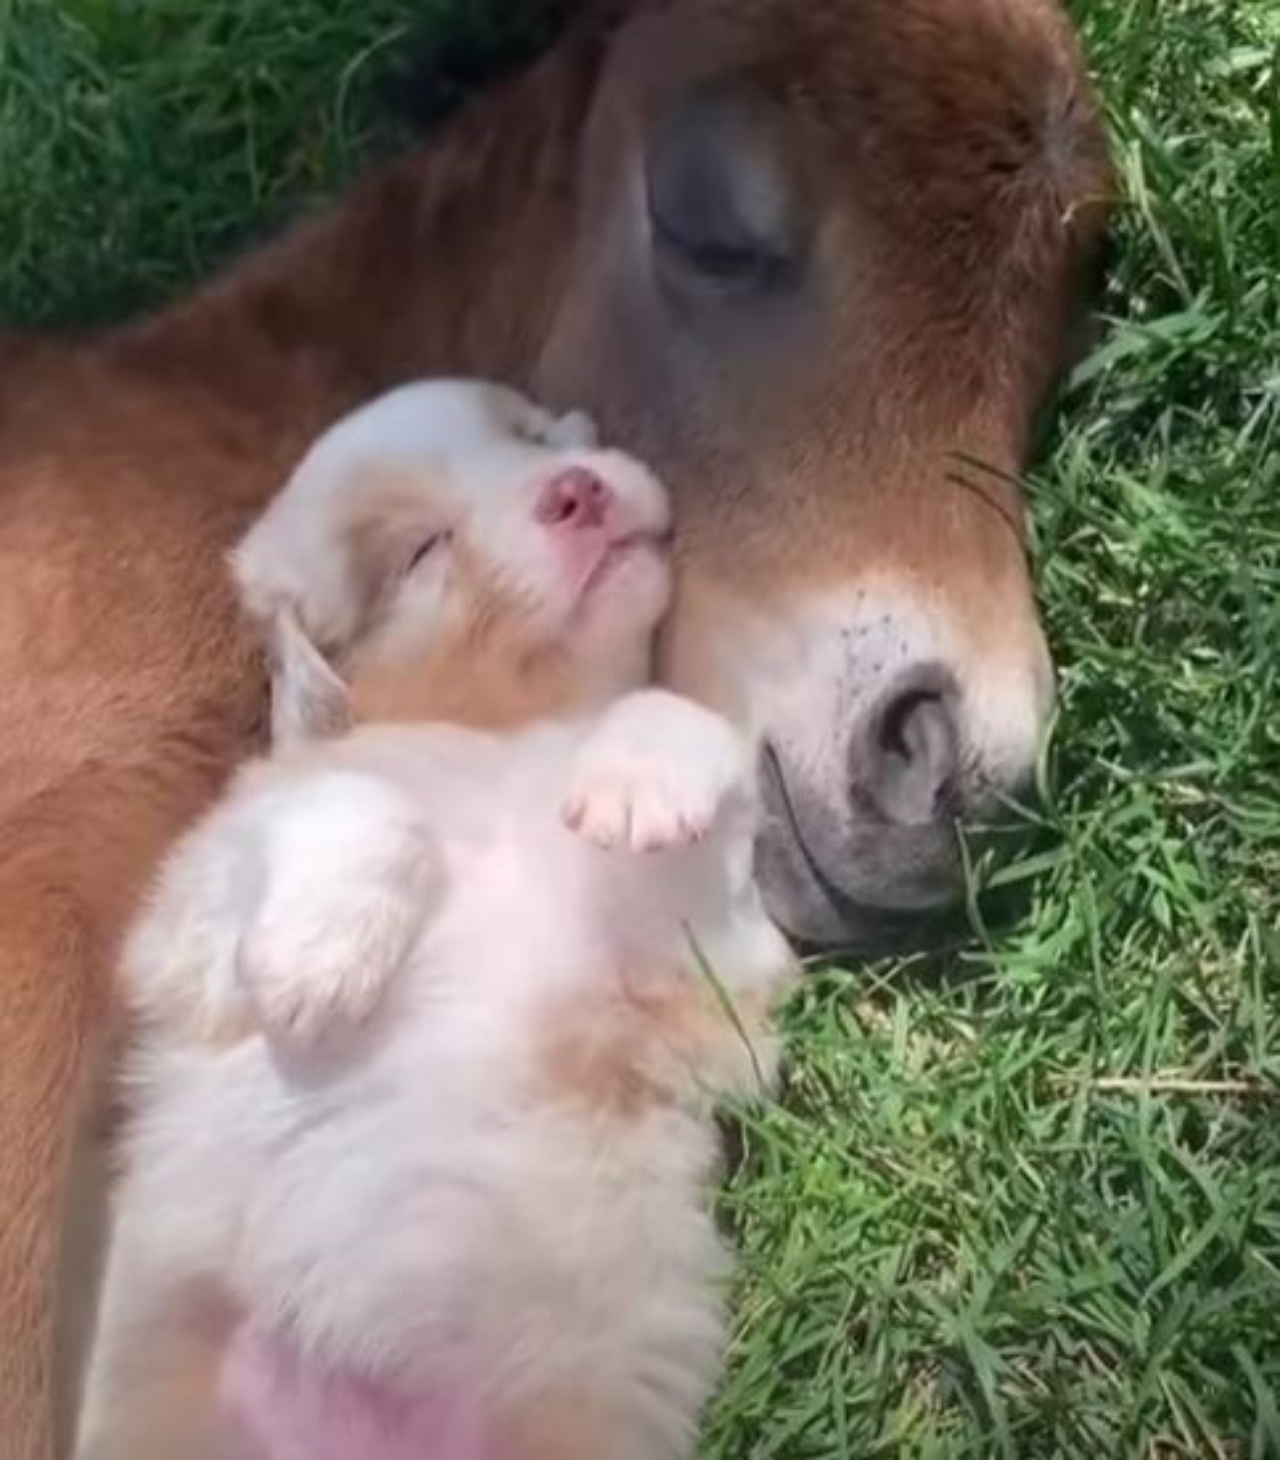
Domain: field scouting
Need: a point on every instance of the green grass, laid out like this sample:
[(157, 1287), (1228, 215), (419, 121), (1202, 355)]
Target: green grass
[(1031, 1208)]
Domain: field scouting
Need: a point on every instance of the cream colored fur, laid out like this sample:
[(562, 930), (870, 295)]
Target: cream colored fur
[(431, 1036)]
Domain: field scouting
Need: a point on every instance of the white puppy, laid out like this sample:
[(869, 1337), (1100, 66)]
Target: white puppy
[(436, 1005)]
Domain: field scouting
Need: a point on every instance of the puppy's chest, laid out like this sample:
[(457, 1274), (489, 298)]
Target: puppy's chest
[(541, 904), (528, 916), (535, 913), (559, 970)]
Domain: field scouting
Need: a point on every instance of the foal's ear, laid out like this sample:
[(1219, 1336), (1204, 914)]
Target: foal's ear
[(309, 701)]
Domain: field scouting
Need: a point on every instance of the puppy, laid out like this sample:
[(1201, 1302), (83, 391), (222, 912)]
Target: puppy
[(438, 1002)]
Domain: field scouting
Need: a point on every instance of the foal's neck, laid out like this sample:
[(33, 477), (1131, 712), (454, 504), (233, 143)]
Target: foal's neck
[(448, 261)]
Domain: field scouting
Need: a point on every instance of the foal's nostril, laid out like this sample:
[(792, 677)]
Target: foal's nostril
[(906, 754), (575, 497)]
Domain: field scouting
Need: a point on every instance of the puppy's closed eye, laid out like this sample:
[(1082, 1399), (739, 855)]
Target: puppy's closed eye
[(424, 548)]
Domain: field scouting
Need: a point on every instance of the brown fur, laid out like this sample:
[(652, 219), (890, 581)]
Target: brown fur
[(497, 696), (485, 673), (654, 1044), (128, 462), (565, 1429)]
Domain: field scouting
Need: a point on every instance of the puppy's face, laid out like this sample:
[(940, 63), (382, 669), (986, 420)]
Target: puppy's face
[(510, 545), (458, 553)]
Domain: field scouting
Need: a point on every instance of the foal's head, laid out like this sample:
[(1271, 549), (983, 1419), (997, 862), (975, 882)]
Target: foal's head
[(820, 262), (830, 258)]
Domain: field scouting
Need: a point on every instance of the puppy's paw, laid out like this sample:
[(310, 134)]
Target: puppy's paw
[(350, 877), (654, 776), (638, 805), (311, 970)]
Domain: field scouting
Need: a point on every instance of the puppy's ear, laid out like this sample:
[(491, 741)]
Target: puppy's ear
[(294, 559), (292, 579), (575, 431), (308, 699)]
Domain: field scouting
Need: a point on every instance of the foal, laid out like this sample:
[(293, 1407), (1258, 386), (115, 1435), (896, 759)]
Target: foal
[(814, 259)]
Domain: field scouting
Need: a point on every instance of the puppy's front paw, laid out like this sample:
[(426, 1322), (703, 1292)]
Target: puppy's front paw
[(324, 968), (654, 776), (638, 805), (350, 878)]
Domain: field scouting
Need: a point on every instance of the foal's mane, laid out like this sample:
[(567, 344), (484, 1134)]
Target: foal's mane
[(481, 44)]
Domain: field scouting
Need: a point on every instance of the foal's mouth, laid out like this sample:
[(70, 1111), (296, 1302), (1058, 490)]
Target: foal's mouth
[(882, 927)]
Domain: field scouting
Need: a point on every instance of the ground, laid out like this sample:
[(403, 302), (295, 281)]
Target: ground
[(1029, 1206)]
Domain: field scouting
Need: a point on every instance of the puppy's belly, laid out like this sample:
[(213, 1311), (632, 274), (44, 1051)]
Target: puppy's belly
[(287, 1410)]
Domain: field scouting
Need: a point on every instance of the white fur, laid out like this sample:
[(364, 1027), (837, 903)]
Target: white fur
[(294, 555), (472, 456), (353, 1124)]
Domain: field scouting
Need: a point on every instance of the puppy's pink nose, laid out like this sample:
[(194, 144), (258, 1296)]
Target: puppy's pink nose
[(574, 498)]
